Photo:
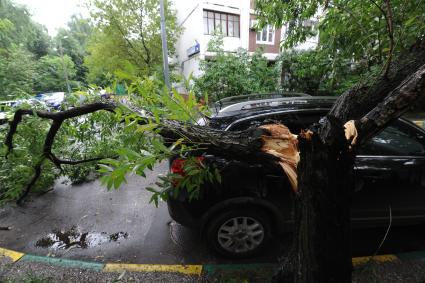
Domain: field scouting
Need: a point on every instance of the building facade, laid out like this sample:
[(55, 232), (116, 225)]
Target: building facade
[(234, 19)]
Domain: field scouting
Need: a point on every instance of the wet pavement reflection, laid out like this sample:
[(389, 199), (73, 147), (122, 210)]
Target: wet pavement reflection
[(73, 237)]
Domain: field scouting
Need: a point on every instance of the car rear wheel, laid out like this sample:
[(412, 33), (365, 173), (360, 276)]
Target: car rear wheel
[(238, 233)]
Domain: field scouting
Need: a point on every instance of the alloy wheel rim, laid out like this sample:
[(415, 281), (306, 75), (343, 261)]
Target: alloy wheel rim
[(240, 234)]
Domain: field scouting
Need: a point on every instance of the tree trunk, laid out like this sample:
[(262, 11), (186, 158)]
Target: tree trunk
[(322, 233)]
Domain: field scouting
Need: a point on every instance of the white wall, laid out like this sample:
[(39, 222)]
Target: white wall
[(194, 29)]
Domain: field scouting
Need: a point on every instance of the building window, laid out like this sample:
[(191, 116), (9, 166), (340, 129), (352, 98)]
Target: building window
[(266, 35), (227, 24)]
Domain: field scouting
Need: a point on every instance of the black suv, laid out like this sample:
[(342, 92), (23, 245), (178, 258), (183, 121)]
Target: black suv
[(238, 216)]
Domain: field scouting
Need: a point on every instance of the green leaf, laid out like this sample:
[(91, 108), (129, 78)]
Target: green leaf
[(145, 128)]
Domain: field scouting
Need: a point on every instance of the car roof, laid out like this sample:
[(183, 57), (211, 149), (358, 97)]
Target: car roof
[(227, 101), (240, 110), (283, 102)]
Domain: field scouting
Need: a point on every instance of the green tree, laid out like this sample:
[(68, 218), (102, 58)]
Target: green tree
[(22, 42), (18, 69), (73, 41), (22, 30), (229, 74), (127, 37), (355, 37), (51, 73)]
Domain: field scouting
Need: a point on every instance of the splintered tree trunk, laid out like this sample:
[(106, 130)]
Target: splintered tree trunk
[(322, 233)]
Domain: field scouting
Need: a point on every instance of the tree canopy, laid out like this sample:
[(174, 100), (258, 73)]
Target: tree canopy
[(127, 37), (230, 74), (355, 37)]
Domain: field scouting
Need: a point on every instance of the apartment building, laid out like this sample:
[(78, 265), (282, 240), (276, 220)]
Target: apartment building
[(235, 19)]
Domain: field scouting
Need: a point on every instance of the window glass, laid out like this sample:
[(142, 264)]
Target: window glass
[(217, 21), (236, 26), (223, 24), (210, 26), (231, 31), (266, 35), (227, 24), (270, 39), (397, 139)]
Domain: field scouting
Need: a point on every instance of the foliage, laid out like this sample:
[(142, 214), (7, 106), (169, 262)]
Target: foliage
[(313, 72), (354, 37), (73, 40), (21, 30), (128, 142), (22, 42), (28, 63), (18, 168), (153, 97), (229, 74), (127, 38), (17, 73), (51, 72)]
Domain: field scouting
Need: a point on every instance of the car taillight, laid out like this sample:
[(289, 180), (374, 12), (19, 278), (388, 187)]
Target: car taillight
[(178, 164)]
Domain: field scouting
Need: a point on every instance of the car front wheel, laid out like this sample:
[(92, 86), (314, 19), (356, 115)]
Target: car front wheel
[(238, 233)]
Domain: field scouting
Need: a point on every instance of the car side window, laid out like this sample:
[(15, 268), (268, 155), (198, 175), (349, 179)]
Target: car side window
[(396, 140)]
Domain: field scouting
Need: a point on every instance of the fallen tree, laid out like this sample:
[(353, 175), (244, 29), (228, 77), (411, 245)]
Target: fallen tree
[(323, 195)]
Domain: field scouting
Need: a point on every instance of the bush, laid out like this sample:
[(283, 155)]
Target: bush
[(230, 74)]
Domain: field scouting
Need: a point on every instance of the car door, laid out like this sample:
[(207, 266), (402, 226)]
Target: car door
[(390, 174)]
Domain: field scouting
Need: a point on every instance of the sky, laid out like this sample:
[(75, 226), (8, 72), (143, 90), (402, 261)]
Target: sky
[(54, 14)]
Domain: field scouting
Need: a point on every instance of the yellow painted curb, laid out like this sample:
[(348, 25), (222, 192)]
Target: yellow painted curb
[(377, 258), (184, 269), (14, 256)]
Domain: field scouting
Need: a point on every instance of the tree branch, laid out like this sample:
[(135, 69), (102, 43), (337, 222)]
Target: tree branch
[(142, 37), (390, 30), (393, 106), (55, 116)]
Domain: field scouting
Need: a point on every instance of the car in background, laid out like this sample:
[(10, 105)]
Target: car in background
[(238, 216), (51, 99)]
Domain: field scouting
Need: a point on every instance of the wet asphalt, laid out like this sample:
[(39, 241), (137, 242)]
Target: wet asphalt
[(88, 222)]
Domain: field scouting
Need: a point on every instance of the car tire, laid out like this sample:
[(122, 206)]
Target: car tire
[(238, 233)]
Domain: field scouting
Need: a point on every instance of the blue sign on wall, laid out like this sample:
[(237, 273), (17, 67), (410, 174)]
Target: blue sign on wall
[(195, 49)]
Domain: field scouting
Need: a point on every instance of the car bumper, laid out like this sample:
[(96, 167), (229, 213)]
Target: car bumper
[(180, 214)]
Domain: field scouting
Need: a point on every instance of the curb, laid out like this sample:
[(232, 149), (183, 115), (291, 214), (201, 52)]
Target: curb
[(190, 269)]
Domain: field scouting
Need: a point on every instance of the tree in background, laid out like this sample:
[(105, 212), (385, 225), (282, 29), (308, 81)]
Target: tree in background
[(355, 37), (51, 71), (127, 38), (18, 68), (28, 63), (22, 30), (229, 74), (22, 42), (73, 41)]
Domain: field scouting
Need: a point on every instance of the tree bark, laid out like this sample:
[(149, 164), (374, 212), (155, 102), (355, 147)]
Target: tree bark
[(322, 208)]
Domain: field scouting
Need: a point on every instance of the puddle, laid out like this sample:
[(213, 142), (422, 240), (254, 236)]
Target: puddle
[(60, 239)]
